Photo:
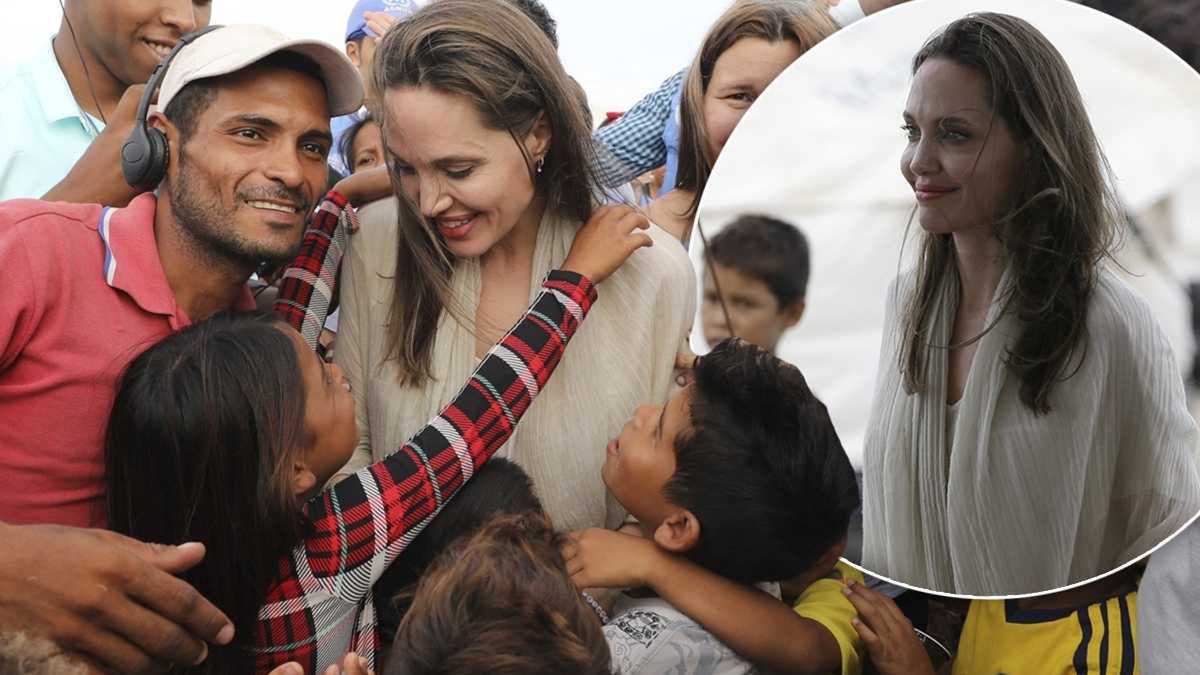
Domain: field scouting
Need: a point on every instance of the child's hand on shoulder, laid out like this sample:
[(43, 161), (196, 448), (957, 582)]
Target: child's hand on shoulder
[(599, 558), (606, 241), (891, 642)]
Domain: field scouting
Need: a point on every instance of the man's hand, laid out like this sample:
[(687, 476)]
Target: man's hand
[(96, 178), (599, 558), (109, 598)]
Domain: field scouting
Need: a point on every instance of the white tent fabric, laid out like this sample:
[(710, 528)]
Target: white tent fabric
[(821, 148)]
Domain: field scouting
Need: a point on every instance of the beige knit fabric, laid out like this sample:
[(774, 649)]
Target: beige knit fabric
[(622, 356)]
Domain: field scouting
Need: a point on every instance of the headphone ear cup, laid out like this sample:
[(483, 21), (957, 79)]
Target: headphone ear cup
[(135, 154), (160, 156), (144, 157)]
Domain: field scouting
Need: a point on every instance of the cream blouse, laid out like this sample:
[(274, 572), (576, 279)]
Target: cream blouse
[(623, 356), (1028, 503)]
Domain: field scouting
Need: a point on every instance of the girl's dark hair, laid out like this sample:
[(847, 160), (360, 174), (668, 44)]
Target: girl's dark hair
[(491, 53), (1063, 217), (804, 23), (346, 143), (199, 447)]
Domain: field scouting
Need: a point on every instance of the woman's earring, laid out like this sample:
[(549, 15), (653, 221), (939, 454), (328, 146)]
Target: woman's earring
[(541, 161)]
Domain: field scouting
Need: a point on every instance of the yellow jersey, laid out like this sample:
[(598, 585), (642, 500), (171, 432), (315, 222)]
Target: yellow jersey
[(1000, 638), (824, 603)]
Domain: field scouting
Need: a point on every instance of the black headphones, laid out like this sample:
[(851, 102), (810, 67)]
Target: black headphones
[(145, 153)]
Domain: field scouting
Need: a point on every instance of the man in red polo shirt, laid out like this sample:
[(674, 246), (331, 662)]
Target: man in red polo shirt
[(246, 119), (245, 113)]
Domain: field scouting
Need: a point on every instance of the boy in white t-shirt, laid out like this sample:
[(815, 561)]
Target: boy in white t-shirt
[(740, 478)]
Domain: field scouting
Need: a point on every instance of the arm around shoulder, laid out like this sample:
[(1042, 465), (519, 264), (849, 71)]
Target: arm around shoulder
[(760, 628)]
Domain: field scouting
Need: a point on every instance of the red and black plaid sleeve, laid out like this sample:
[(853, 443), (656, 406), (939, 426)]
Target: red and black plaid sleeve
[(363, 523), (306, 289)]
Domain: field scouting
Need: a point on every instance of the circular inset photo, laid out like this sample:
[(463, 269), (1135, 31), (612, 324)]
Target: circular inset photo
[(986, 212)]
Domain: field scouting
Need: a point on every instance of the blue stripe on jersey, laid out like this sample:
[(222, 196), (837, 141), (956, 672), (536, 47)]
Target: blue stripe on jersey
[(1127, 641), (1085, 627), (1014, 614), (1104, 638)]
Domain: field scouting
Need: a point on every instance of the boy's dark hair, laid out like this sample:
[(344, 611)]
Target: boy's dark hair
[(761, 467), (501, 602), (193, 100), (538, 14), (497, 488), (768, 249)]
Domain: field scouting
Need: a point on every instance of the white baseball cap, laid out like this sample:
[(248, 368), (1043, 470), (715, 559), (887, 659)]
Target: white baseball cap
[(228, 49)]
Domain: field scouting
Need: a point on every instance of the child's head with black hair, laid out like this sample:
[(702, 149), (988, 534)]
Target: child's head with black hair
[(361, 145), (759, 265), (741, 471), (497, 488)]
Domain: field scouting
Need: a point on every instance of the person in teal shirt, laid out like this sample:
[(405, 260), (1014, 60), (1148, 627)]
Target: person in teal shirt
[(71, 103)]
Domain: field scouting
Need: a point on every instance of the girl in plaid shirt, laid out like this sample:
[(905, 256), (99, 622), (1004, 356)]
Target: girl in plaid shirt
[(225, 432)]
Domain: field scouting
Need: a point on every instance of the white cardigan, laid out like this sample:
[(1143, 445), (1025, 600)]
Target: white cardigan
[(622, 357), (1025, 503)]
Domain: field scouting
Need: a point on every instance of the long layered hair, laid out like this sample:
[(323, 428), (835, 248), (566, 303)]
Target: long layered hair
[(491, 53), (804, 23), (1063, 217), (199, 447)]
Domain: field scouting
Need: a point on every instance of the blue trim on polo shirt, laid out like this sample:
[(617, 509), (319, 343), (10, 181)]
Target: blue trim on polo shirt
[(110, 259)]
